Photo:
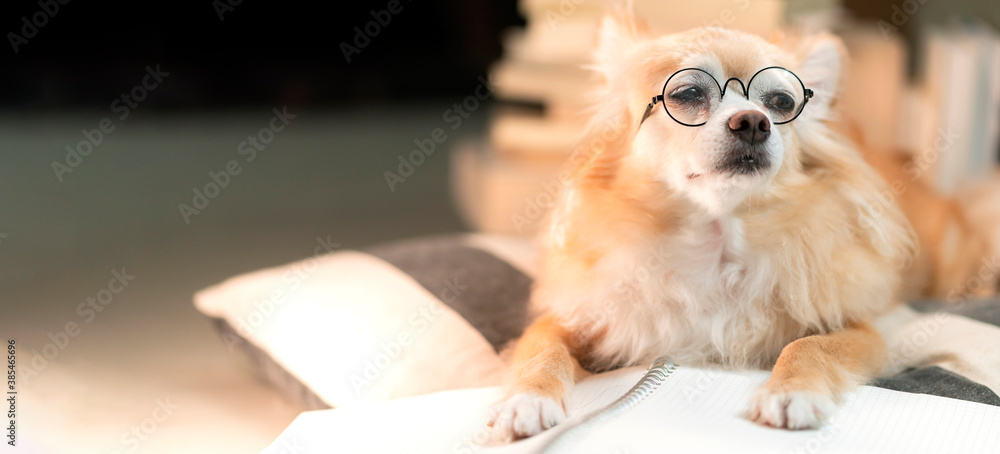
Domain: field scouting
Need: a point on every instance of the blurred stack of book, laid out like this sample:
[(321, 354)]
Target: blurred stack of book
[(506, 181), (952, 114)]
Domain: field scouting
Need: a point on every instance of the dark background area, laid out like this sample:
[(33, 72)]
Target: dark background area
[(259, 54), (265, 53)]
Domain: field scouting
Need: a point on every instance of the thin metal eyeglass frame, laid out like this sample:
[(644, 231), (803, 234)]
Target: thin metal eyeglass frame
[(807, 94)]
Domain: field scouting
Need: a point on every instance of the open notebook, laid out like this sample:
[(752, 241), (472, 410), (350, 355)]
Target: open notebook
[(660, 409)]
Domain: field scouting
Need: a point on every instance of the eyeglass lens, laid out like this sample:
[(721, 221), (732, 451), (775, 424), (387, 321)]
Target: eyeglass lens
[(691, 95)]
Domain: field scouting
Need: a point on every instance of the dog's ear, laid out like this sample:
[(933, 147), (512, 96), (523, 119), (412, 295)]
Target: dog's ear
[(822, 60), (618, 31)]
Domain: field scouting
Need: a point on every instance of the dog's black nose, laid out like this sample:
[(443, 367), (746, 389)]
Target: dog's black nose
[(750, 126)]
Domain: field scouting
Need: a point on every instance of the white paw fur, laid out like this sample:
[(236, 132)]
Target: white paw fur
[(523, 415), (790, 409)]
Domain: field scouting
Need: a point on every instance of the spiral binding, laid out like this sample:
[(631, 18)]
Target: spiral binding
[(658, 372)]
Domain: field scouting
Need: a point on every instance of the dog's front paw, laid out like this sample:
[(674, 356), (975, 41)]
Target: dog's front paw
[(786, 407), (523, 415)]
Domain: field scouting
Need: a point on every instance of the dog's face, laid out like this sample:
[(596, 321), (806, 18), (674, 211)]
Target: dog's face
[(738, 148), (726, 124)]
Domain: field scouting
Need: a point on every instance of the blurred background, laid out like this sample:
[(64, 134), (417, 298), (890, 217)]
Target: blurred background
[(120, 121)]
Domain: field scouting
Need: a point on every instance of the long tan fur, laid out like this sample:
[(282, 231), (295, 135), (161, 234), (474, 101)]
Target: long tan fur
[(952, 247), (649, 254)]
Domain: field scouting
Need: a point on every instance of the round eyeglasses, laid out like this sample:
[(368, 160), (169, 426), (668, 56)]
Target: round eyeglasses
[(691, 95)]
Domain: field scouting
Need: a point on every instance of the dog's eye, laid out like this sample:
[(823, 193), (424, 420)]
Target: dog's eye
[(689, 95), (779, 101)]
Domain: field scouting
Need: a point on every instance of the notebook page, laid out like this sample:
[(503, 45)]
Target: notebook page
[(588, 396), (598, 391), (698, 410), (444, 422)]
